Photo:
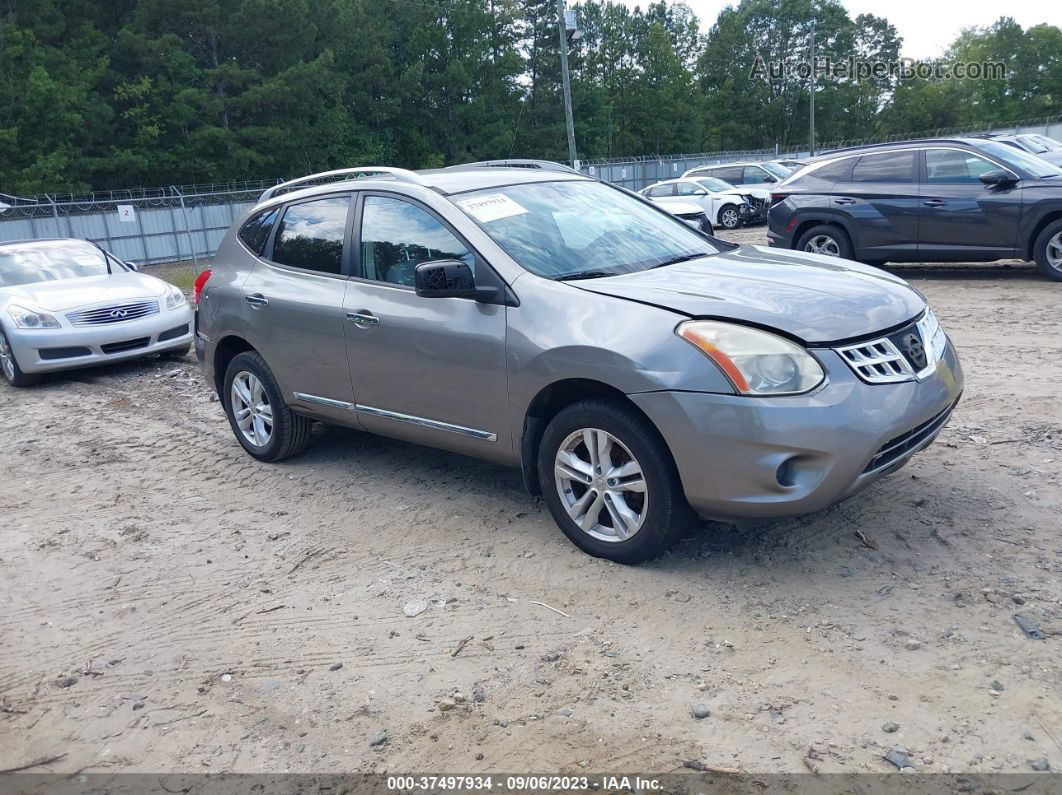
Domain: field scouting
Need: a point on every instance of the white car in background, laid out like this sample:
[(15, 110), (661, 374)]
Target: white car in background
[(727, 207), (692, 214), (748, 176), (68, 303)]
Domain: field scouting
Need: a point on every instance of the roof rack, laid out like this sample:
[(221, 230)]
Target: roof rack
[(545, 165), (401, 174)]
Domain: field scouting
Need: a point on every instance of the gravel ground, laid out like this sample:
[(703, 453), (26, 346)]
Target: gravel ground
[(169, 604)]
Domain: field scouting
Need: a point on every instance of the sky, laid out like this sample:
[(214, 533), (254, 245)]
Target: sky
[(927, 26)]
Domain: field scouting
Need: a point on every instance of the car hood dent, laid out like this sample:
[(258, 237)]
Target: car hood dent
[(814, 298), (66, 294)]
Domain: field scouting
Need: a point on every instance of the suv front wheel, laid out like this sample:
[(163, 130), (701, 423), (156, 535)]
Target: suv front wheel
[(262, 422), (610, 483)]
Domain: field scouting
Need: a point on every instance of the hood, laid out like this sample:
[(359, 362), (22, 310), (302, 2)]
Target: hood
[(814, 298), (759, 194), (65, 294)]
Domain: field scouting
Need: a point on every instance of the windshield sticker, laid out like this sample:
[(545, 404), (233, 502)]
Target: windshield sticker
[(490, 208)]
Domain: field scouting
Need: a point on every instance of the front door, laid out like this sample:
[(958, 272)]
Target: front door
[(961, 216), (431, 370)]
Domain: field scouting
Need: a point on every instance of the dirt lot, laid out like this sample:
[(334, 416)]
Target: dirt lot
[(168, 604)]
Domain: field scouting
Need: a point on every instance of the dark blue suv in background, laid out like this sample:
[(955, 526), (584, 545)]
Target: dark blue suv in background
[(939, 200)]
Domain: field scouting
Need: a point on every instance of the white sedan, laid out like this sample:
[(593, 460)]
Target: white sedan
[(727, 206), (68, 303)]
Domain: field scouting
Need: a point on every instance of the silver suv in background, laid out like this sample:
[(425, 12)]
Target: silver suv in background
[(633, 368)]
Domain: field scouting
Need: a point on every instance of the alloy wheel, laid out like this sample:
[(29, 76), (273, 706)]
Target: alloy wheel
[(7, 359), (823, 244), (1054, 252), (250, 407), (601, 485), (729, 218)]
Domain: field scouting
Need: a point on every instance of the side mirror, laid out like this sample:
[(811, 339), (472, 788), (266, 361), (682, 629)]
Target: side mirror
[(997, 177), (445, 278), (132, 266), (700, 192), (769, 178)]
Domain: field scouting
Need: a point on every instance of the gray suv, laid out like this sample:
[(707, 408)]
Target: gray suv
[(637, 371)]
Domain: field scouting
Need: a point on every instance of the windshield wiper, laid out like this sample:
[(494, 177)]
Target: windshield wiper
[(571, 277), (677, 260)]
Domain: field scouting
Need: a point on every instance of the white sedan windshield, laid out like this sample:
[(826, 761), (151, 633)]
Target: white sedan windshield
[(561, 229), (29, 263)]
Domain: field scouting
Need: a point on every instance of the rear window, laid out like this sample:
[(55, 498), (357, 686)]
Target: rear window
[(892, 167), (256, 231), (310, 235)]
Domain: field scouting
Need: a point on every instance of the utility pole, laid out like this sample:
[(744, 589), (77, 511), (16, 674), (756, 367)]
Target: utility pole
[(566, 83), (813, 86)]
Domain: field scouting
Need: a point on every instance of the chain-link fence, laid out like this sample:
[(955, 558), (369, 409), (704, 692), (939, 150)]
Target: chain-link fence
[(188, 222)]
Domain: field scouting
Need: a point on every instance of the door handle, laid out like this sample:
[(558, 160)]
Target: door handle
[(363, 319), (845, 201), (934, 202), (257, 300)]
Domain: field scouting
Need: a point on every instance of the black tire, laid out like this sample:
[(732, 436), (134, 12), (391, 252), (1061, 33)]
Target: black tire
[(1040, 252), (666, 512), (13, 373), (836, 235), (179, 353), (289, 432), (729, 217)]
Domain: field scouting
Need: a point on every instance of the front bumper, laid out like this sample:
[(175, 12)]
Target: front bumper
[(752, 458), (48, 350)]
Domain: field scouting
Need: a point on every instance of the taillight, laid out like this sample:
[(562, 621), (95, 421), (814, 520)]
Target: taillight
[(200, 283), (777, 197)]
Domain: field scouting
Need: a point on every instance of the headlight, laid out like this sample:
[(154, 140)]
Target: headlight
[(29, 318), (175, 299), (933, 336), (756, 362)]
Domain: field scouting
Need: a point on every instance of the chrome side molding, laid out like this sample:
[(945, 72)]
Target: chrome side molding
[(423, 422)]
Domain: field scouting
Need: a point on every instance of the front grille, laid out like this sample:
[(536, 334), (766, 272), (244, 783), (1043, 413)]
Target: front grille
[(49, 354), (118, 313), (878, 361), (757, 204), (173, 333), (126, 345), (895, 449)]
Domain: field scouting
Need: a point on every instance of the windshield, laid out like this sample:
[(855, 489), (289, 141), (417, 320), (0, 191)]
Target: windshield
[(29, 263), (560, 229), (713, 184), (1030, 144), (1019, 158), (778, 170)]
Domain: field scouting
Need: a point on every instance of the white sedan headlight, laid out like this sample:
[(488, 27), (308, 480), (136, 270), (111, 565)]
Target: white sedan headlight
[(31, 318), (756, 362), (175, 298)]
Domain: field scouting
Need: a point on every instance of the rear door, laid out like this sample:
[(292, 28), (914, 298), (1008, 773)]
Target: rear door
[(431, 370), (962, 217), (878, 203), (294, 299)]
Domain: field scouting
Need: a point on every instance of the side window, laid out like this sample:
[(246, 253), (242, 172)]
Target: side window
[(661, 191), (685, 188), (397, 236), (894, 167), (731, 175), (952, 167), (754, 174), (824, 177), (256, 231), (311, 234)]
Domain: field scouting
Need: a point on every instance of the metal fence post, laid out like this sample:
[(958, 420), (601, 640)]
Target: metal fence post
[(187, 229)]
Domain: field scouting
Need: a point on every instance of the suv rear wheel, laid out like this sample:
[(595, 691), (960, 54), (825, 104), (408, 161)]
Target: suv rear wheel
[(262, 422), (826, 239), (1047, 251), (610, 483)]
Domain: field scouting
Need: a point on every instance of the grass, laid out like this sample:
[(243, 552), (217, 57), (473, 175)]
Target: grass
[(179, 274)]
